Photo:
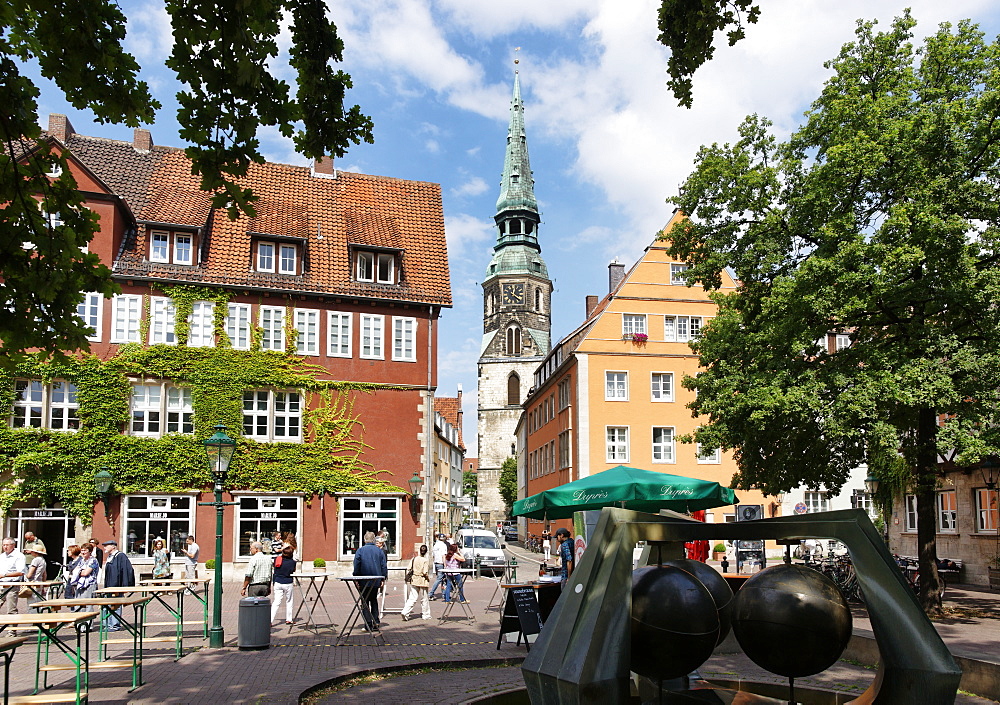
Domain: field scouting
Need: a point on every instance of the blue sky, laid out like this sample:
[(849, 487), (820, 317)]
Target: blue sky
[(608, 144)]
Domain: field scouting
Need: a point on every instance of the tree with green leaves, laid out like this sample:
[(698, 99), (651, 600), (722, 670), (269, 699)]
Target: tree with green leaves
[(470, 484), (877, 219), (688, 29), (508, 482), (221, 55)]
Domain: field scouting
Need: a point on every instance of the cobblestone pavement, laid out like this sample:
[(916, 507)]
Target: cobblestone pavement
[(301, 659)]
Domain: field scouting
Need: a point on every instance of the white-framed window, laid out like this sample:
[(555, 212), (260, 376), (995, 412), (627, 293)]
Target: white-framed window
[(663, 444), (379, 267), (265, 256), (238, 326), (661, 387), (360, 515), (910, 512), (986, 510), (681, 329), (616, 386), (151, 517), (161, 320), (272, 416), (272, 325), (201, 325), (159, 246), (816, 501), (307, 326), (947, 511), (709, 456), (259, 516), (126, 315), (183, 248), (338, 329), (633, 323), (841, 341), (404, 339), (161, 407), (371, 336), (861, 499), (564, 450), (564, 393), (676, 273), (616, 444), (288, 257), (38, 405), (91, 312), (168, 247)]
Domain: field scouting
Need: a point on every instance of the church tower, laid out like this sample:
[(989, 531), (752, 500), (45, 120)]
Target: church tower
[(517, 327)]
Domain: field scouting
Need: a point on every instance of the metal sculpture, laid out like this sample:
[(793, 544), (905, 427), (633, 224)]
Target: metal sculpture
[(583, 653)]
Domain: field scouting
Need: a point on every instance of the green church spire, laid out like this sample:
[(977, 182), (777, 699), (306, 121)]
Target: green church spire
[(517, 250)]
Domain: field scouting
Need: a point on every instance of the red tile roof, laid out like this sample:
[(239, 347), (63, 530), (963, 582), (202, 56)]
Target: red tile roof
[(328, 214), (449, 407)]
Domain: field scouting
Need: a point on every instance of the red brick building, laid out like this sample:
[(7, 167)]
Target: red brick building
[(348, 271)]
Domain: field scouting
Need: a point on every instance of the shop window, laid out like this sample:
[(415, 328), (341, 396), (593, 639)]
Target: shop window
[(151, 517), (259, 517), (363, 514)]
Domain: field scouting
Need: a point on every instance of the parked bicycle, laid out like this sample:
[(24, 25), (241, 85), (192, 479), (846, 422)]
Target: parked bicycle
[(840, 570)]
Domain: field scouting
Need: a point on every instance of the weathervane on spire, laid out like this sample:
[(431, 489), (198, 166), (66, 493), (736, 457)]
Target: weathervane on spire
[(516, 60)]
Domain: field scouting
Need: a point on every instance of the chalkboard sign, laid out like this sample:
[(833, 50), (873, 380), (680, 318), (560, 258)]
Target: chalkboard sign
[(520, 614)]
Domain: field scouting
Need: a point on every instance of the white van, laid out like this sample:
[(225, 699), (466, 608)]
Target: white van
[(485, 545)]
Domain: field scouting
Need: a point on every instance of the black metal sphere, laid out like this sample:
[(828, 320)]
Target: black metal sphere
[(791, 620), (674, 622), (716, 584)]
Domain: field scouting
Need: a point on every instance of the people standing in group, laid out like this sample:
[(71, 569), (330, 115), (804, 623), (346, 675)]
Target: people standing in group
[(161, 560), (83, 577), (420, 580), (191, 558), (118, 572), (453, 561), (440, 548), (97, 551), (370, 560), (565, 553), (11, 571), (260, 571), (284, 566)]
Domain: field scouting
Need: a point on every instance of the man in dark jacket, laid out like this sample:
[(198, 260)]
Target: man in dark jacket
[(118, 572), (370, 560)]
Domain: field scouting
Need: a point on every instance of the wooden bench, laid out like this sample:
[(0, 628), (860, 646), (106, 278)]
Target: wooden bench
[(951, 573), (7, 647)]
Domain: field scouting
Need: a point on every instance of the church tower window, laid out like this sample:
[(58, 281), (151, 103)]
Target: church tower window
[(513, 341), (513, 390)]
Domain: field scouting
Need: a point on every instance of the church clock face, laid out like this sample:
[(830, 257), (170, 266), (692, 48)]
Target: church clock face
[(513, 293)]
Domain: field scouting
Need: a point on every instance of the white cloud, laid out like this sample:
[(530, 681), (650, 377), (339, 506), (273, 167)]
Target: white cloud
[(432, 146), (471, 187), (463, 230), (149, 36)]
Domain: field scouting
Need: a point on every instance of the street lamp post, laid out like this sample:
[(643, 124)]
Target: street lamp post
[(219, 449), (102, 486)]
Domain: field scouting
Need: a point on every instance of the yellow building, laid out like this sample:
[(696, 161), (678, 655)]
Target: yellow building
[(610, 393)]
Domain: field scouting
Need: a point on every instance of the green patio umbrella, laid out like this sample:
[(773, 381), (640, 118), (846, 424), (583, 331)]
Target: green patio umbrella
[(631, 488)]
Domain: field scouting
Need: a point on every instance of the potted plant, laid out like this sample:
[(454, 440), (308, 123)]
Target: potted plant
[(719, 552), (640, 338), (210, 564), (319, 564)]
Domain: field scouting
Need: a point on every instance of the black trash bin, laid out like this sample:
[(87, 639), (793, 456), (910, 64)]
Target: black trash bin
[(255, 623)]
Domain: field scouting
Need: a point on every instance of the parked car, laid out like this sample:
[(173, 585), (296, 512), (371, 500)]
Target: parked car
[(477, 543), (510, 533)]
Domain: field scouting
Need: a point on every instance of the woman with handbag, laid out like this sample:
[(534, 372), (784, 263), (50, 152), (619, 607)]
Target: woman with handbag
[(418, 576)]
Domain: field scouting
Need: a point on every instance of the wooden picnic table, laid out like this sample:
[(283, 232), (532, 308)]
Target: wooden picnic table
[(48, 626), (157, 592), (187, 583), (109, 607)]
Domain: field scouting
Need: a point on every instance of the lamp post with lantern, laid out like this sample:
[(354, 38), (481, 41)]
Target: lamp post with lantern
[(219, 450)]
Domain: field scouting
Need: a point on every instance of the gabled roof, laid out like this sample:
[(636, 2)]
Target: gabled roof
[(449, 407), (328, 216)]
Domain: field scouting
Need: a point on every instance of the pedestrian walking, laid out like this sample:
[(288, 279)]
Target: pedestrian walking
[(161, 560), (284, 566), (260, 571), (370, 560), (420, 579), (565, 553), (440, 548), (546, 546), (191, 558)]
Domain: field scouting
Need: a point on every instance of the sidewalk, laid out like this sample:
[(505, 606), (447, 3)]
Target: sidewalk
[(300, 660)]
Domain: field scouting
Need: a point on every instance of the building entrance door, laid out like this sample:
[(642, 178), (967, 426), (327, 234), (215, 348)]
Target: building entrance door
[(54, 526)]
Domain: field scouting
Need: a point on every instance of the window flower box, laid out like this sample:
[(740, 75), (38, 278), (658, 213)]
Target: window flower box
[(639, 338)]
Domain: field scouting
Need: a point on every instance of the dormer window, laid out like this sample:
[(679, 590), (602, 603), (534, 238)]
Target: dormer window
[(171, 247), (378, 267), (279, 257)]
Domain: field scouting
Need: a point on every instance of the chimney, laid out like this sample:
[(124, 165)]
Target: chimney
[(323, 168), (60, 127), (591, 305), (142, 139), (616, 272)]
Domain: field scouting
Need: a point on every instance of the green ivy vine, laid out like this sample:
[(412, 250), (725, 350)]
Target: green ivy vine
[(59, 466)]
